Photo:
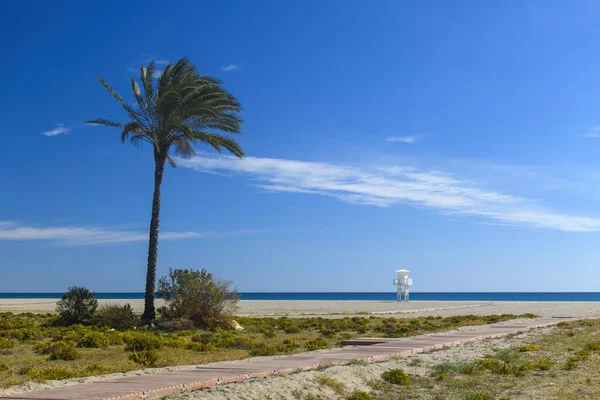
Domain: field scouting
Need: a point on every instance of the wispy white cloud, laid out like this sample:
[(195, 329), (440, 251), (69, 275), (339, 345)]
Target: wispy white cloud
[(593, 132), (161, 62), (59, 130), (403, 139), (231, 67), (83, 236), (386, 186)]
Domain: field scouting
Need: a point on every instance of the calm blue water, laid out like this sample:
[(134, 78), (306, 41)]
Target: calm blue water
[(449, 296)]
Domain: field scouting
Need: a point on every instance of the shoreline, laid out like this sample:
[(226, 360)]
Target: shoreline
[(343, 308)]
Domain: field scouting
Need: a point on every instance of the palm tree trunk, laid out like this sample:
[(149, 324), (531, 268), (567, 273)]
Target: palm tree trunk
[(149, 311)]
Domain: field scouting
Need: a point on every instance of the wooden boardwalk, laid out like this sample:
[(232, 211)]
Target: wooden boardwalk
[(194, 378)]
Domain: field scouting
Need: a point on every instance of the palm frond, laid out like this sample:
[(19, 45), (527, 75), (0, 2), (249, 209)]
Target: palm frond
[(183, 148), (116, 95), (148, 81), (219, 142), (105, 122), (177, 110), (171, 161), (129, 128)]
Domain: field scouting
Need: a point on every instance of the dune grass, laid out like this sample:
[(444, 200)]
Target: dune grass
[(33, 349), (563, 364)]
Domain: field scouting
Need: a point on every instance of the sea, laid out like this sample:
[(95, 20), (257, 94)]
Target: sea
[(376, 296)]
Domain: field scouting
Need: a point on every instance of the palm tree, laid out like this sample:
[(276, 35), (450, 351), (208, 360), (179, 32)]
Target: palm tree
[(174, 111)]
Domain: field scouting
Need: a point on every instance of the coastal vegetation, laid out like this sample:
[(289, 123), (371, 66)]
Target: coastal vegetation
[(562, 364), (174, 111), (36, 347)]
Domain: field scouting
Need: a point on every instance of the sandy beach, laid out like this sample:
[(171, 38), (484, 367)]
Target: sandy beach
[(334, 308)]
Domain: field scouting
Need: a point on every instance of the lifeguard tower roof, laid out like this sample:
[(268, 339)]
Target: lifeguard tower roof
[(402, 270)]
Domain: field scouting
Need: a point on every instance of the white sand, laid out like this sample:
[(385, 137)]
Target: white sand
[(334, 308)]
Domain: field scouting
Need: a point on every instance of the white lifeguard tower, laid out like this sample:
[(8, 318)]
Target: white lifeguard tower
[(403, 283)]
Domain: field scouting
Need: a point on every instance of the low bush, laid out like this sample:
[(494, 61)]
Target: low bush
[(465, 368), (582, 355), (261, 349), (316, 344), (147, 358), (594, 346), (571, 364), (331, 383), (357, 361), (6, 344), (396, 377), (358, 395), (479, 396), (66, 353), (288, 346), (25, 334), (527, 348), (120, 317), (197, 296), (587, 322), (49, 373), (138, 342), (543, 364), (93, 340), (96, 369), (4, 367), (506, 355), (76, 306)]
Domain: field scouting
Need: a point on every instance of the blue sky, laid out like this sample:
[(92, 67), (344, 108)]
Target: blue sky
[(459, 140)]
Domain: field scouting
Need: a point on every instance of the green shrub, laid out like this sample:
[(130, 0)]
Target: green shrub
[(396, 377), (6, 344), (49, 373), (96, 369), (138, 342), (4, 367), (527, 347), (287, 346), (479, 396), (120, 317), (269, 333), (563, 324), (587, 322), (24, 334), (197, 296), (594, 346), (582, 355), (543, 364), (262, 349), (147, 358), (316, 344), (358, 395), (76, 306), (93, 340), (66, 353), (51, 347), (571, 364), (357, 361), (199, 346), (331, 383), (506, 355)]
